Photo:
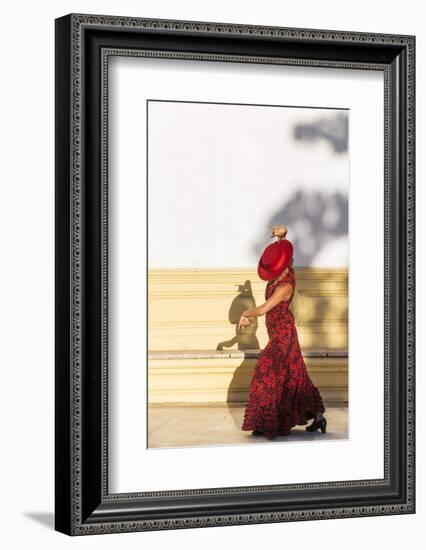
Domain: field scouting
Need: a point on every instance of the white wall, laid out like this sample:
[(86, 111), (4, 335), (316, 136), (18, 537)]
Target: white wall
[(233, 170), (26, 219)]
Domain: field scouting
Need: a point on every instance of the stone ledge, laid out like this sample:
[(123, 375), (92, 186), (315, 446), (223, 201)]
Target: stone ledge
[(247, 353)]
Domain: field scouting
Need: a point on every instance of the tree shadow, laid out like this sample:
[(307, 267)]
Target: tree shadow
[(334, 130), (314, 219)]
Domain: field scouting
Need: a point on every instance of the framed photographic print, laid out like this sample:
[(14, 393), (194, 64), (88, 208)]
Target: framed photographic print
[(235, 254)]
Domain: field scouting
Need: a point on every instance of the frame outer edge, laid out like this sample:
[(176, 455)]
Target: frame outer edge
[(63, 494), (77, 22)]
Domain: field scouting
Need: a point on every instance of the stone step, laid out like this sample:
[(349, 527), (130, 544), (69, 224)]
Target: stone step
[(245, 353)]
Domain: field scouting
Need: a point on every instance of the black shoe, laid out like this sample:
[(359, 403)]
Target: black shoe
[(317, 424), (256, 432)]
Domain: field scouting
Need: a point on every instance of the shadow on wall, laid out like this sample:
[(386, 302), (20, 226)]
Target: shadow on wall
[(314, 220), (246, 339), (332, 129), (238, 390)]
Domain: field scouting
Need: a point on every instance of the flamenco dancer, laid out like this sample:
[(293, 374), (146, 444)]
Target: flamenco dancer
[(281, 394)]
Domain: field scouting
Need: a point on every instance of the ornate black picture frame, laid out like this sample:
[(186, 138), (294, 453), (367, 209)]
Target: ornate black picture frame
[(83, 504)]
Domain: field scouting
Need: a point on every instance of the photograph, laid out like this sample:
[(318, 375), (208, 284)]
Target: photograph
[(247, 259)]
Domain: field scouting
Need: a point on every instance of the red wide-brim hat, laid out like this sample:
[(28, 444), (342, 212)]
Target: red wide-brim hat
[(275, 259)]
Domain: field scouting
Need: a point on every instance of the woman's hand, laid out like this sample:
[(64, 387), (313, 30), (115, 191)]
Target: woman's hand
[(279, 231), (243, 322)]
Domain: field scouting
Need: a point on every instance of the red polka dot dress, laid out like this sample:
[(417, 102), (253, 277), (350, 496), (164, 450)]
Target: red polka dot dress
[(281, 393)]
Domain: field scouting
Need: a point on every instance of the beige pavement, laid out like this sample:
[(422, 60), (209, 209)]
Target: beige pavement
[(194, 425)]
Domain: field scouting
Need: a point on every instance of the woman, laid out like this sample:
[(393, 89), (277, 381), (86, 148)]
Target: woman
[(281, 394)]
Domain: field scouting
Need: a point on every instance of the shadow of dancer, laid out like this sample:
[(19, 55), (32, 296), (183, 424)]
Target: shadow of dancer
[(245, 340), (244, 300), (237, 395)]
